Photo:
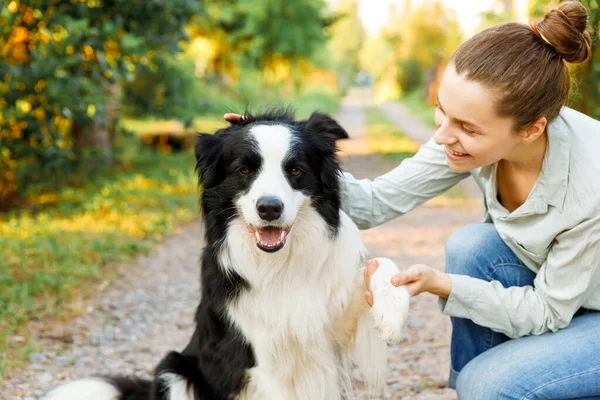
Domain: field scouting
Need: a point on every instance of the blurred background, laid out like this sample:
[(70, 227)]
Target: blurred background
[(100, 101)]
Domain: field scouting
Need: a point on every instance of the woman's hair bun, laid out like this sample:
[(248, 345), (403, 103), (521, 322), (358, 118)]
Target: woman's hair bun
[(565, 29)]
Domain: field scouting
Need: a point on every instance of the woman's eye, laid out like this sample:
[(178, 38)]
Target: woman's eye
[(467, 130), (244, 171), (295, 171)]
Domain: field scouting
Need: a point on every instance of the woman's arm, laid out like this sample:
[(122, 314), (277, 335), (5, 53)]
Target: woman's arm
[(414, 181), (562, 285)]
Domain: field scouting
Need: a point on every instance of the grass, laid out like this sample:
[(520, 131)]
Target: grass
[(386, 138), (49, 257), (417, 105), (148, 127)]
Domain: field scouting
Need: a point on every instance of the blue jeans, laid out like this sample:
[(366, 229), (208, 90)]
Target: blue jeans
[(487, 364)]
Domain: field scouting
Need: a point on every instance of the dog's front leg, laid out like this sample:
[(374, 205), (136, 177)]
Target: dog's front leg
[(390, 303)]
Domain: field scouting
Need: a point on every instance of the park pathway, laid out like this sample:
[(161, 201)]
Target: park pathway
[(418, 366)]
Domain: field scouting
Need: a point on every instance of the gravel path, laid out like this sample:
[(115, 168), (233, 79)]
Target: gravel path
[(419, 365), (127, 328)]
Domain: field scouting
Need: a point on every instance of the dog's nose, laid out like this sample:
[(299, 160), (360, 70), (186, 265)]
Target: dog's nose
[(269, 208)]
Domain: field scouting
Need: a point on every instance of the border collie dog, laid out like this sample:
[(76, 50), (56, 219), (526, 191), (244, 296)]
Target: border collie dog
[(282, 314)]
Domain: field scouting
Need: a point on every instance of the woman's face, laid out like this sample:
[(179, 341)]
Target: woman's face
[(468, 125)]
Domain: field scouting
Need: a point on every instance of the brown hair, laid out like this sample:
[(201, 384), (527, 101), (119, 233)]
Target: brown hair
[(525, 65)]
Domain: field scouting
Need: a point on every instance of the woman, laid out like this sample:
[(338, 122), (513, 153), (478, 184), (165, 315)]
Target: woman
[(531, 270)]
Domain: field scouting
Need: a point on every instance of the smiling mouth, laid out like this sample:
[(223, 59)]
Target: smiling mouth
[(269, 238), (456, 153)]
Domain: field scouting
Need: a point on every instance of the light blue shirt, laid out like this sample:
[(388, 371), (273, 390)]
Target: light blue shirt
[(556, 232)]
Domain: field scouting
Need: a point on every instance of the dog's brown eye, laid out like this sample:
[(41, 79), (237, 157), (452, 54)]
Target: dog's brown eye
[(245, 171), (295, 171)]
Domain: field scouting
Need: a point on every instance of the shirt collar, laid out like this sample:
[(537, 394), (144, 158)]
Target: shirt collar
[(555, 168), (551, 187)]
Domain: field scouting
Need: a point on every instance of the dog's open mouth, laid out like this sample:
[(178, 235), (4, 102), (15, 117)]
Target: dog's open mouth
[(270, 238)]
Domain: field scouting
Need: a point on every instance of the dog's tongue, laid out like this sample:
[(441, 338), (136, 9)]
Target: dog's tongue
[(270, 235)]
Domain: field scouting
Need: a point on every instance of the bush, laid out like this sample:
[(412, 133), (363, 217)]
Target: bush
[(316, 99), (166, 88), (409, 75)]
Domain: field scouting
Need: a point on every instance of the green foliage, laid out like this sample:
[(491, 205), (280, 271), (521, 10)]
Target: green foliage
[(585, 95), (589, 76), (500, 12), (260, 33), (347, 41), (58, 60), (166, 88), (414, 42), (315, 99), (409, 75), (377, 56), (252, 90), (431, 35)]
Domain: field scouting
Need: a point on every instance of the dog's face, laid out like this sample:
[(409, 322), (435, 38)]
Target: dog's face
[(266, 168)]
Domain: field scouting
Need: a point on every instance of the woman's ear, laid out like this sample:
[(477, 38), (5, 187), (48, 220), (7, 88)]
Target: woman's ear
[(534, 131)]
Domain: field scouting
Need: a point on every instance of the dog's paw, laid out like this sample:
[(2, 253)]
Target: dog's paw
[(390, 303)]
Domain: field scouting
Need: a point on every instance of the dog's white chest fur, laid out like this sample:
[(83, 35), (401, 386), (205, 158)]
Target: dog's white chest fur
[(296, 296)]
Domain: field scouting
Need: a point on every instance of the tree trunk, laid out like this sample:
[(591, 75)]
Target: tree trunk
[(80, 140), (114, 100), (9, 193), (101, 135), (100, 142)]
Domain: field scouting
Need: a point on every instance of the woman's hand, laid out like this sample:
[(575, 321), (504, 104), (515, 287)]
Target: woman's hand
[(418, 278), (421, 278), (370, 268), (231, 117)]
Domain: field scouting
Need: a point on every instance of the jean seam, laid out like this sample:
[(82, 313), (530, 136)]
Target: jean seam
[(488, 339), (525, 397), (506, 265), (490, 332), (491, 343)]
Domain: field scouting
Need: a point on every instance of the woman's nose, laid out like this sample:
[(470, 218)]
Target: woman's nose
[(443, 135)]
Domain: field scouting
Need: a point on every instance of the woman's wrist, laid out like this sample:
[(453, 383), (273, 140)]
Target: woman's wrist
[(443, 285)]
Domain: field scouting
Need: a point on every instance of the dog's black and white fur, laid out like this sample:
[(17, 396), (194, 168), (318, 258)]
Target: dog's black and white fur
[(282, 314)]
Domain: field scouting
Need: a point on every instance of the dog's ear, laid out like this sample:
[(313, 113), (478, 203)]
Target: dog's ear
[(324, 126), (209, 149)]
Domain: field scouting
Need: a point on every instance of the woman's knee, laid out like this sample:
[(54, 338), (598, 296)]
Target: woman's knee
[(481, 379), (478, 385), (466, 246)]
